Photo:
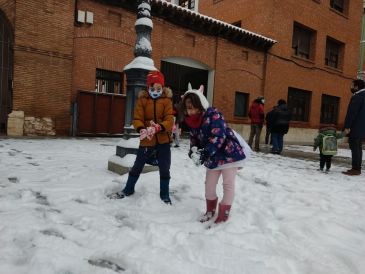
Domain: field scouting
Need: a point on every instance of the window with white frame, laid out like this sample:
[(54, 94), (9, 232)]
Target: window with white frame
[(109, 81)]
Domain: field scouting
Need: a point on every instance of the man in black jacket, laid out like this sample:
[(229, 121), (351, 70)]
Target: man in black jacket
[(355, 125), (279, 121)]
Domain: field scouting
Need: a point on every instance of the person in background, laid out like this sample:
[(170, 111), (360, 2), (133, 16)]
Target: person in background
[(280, 119), (355, 125), (215, 146), (176, 127), (326, 141), (153, 119), (257, 115), (268, 119)]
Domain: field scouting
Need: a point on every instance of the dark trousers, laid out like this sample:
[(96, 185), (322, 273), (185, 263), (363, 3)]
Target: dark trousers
[(277, 142), (163, 156), (267, 136), (255, 132), (325, 159), (356, 152)]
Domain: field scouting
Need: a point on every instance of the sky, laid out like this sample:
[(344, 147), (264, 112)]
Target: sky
[(287, 217)]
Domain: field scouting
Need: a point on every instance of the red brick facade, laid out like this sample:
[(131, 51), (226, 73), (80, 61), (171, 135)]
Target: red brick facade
[(108, 44), (275, 19), (42, 58)]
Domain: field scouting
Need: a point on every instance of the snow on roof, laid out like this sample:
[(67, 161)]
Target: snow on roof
[(213, 20)]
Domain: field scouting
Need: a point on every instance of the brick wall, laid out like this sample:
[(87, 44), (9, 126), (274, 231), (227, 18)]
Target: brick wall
[(108, 44), (275, 19), (43, 60)]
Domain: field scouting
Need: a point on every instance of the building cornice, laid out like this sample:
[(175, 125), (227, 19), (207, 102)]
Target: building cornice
[(199, 23)]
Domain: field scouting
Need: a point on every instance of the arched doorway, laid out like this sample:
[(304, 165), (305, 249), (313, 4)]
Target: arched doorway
[(6, 70), (180, 71)]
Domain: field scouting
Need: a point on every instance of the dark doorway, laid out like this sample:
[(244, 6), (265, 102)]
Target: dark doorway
[(6, 70), (177, 77)]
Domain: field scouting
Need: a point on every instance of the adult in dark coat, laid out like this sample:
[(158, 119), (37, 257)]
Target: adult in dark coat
[(355, 125), (268, 119), (279, 120)]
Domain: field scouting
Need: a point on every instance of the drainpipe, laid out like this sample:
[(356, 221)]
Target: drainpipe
[(361, 72)]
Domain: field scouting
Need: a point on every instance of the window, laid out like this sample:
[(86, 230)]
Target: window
[(188, 4), (299, 104), (303, 40), (241, 104), (329, 109), (109, 81), (333, 53), (338, 5)]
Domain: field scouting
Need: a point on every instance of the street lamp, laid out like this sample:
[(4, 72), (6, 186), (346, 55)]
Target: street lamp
[(137, 70)]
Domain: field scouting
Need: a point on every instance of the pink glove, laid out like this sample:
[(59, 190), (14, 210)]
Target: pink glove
[(149, 131), (152, 130), (143, 133)]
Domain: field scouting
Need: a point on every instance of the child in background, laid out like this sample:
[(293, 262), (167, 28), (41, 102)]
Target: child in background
[(153, 119), (214, 145), (326, 140)]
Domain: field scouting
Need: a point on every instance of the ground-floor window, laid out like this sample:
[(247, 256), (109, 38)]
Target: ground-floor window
[(241, 104), (299, 104), (109, 81), (329, 109)]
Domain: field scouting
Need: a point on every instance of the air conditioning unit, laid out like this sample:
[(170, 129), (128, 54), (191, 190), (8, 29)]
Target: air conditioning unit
[(89, 17), (80, 16)]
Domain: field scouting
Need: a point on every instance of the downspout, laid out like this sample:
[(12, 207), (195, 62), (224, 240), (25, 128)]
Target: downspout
[(360, 72)]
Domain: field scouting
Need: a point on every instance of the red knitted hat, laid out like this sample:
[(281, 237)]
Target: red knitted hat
[(155, 77)]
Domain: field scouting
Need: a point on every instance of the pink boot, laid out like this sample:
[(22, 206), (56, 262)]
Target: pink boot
[(211, 208), (223, 213)]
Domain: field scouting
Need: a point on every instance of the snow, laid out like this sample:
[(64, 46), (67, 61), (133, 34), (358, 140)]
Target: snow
[(141, 62), (144, 21), (287, 217), (211, 19), (144, 6), (144, 44)]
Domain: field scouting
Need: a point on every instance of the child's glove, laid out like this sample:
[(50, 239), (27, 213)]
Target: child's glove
[(150, 131), (197, 155), (143, 133)]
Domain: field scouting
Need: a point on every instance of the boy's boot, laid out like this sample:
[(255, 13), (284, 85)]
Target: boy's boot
[(128, 189), (164, 190), (223, 213), (211, 208)]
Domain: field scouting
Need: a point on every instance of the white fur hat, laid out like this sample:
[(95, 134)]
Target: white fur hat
[(200, 93)]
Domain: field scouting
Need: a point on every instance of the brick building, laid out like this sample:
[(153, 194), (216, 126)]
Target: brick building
[(315, 59), (77, 49)]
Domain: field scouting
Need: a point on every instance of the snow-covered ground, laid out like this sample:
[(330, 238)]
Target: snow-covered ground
[(287, 217)]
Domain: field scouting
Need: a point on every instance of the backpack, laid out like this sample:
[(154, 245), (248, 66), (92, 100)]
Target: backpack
[(329, 145)]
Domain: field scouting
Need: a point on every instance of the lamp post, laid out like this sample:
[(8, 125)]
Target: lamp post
[(137, 70)]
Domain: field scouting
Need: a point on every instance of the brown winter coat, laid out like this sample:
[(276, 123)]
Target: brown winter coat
[(160, 111)]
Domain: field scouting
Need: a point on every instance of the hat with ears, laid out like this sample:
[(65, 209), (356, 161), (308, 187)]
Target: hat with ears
[(155, 77), (200, 94)]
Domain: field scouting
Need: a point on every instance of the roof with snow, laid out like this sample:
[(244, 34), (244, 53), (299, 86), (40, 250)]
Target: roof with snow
[(200, 23)]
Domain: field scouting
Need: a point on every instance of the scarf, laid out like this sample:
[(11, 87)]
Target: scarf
[(194, 121)]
